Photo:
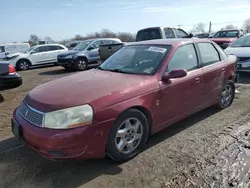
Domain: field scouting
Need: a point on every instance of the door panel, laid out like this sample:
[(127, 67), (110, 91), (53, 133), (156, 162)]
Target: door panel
[(39, 56), (213, 71), (93, 55), (181, 95)]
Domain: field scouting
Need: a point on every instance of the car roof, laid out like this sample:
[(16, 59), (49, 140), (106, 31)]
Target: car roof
[(48, 45), (172, 42), (101, 39)]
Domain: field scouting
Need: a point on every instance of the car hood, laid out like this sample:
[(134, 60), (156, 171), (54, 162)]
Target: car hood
[(70, 52), (13, 55), (95, 87), (238, 51), (225, 40)]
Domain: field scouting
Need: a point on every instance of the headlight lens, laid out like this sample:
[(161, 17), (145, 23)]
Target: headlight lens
[(69, 56), (69, 118)]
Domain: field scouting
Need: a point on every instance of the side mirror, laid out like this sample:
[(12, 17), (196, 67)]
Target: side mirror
[(177, 73), (190, 35), (90, 48), (33, 52)]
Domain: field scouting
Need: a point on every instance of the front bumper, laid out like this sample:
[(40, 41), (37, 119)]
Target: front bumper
[(65, 62), (10, 82), (78, 143), (243, 66)]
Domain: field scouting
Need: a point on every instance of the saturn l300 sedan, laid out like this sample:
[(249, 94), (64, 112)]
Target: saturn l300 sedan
[(113, 109)]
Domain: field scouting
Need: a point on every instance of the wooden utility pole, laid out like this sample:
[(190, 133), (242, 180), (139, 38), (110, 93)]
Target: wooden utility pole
[(210, 27)]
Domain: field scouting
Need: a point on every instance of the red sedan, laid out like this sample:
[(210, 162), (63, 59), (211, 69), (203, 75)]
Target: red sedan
[(138, 91)]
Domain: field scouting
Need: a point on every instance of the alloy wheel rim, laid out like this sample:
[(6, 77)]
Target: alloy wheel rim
[(24, 65), (226, 95), (129, 135), (82, 64)]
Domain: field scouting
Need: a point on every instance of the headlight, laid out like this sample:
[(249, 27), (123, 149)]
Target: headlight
[(69, 56), (69, 118)]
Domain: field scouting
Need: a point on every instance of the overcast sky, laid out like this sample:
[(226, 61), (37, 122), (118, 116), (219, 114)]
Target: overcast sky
[(62, 19)]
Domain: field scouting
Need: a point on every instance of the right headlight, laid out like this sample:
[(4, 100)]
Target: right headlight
[(69, 117)]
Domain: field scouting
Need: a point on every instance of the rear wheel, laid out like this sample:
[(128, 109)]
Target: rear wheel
[(127, 136), (227, 95), (23, 64)]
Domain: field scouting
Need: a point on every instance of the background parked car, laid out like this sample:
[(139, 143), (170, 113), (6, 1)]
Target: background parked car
[(72, 44), (85, 54), (38, 55), (202, 35), (106, 50), (8, 49), (161, 33), (9, 79), (226, 37), (241, 49)]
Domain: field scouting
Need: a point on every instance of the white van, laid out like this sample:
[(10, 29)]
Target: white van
[(6, 49)]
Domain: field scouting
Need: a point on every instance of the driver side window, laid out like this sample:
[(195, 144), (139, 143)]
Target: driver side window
[(40, 49), (184, 58), (96, 44), (180, 33)]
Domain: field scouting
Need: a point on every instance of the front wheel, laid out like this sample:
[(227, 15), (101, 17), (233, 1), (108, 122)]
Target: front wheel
[(81, 64), (227, 95), (23, 65), (127, 136)]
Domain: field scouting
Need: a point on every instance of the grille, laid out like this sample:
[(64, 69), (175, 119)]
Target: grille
[(31, 115), (243, 58)]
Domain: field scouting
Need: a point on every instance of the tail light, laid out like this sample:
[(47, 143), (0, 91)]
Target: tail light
[(12, 69), (99, 51)]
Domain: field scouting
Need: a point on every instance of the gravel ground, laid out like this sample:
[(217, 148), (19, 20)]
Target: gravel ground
[(209, 149)]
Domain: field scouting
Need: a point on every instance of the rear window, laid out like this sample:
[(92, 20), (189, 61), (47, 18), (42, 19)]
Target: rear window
[(148, 34), (2, 49)]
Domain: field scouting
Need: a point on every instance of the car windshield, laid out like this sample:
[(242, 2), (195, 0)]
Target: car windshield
[(82, 45), (148, 34), (226, 34), (30, 49), (202, 35), (141, 60), (242, 42)]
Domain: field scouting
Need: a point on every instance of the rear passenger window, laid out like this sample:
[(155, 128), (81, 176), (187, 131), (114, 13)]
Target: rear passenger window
[(52, 48), (209, 54), (222, 53), (169, 33), (184, 58)]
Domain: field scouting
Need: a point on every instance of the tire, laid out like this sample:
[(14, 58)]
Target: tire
[(81, 64), (227, 95), (134, 139), (23, 65)]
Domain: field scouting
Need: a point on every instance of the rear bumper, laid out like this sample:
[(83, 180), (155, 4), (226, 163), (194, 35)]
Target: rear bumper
[(10, 82)]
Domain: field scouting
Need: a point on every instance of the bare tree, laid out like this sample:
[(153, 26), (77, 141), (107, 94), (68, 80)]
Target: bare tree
[(48, 38), (230, 26), (78, 37), (200, 27), (34, 39), (246, 25), (126, 37)]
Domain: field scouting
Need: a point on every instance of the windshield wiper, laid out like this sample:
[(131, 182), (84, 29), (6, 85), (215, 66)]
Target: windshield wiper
[(117, 70), (112, 70)]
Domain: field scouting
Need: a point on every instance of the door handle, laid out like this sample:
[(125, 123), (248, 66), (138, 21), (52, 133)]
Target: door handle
[(223, 70), (197, 80)]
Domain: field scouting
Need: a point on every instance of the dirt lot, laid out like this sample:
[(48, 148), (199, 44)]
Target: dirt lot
[(209, 149)]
